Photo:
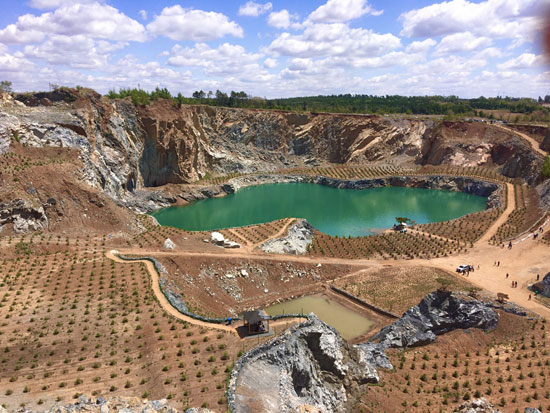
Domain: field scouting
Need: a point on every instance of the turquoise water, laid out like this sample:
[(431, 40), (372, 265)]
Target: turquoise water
[(333, 211)]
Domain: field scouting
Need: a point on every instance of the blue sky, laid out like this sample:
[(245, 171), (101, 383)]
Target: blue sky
[(279, 48)]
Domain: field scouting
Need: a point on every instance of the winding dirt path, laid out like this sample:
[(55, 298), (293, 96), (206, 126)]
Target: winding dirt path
[(164, 303), (510, 206), (166, 306), (534, 144)]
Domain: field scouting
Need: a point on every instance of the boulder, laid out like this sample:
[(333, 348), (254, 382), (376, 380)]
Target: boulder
[(309, 364), (217, 238), (23, 215), (169, 244), (296, 241), (438, 313), (481, 405)]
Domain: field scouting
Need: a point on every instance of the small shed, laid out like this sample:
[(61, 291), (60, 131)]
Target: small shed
[(256, 321)]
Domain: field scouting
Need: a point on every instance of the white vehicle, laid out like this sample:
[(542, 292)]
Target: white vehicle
[(463, 268)]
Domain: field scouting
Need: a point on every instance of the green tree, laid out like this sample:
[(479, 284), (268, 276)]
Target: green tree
[(5, 85), (546, 167)]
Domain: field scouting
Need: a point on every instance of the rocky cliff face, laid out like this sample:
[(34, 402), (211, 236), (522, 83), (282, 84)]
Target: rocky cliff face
[(437, 313), (125, 150), (309, 365), (312, 365)]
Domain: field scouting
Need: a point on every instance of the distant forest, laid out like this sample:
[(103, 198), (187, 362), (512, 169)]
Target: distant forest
[(366, 104)]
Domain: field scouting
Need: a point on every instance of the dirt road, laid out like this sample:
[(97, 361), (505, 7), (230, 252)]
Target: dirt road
[(523, 262), (510, 206), (165, 304), (534, 144)]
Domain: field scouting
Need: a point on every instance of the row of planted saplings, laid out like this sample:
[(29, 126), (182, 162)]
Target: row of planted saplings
[(391, 245), (466, 229), (107, 327), (516, 373)]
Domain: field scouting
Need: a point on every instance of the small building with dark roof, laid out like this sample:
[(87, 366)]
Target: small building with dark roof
[(256, 321)]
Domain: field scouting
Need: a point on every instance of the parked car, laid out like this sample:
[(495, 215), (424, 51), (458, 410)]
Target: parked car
[(464, 268)]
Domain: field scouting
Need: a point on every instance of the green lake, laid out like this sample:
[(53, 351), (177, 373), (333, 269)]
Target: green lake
[(334, 211)]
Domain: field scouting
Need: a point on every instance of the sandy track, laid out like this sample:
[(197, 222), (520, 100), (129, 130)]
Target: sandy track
[(523, 262), (534, 144), (510, 206), (165, 304)]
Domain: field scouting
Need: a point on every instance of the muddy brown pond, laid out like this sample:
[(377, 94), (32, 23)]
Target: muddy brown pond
[(347, 322)]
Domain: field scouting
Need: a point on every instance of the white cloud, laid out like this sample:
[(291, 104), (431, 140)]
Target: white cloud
[(461, 42), (253, 9), (95, 20), (14, 63), (178, 23), (319, 40), (421, 46), (54, 4), (223, 60), (12, 34), (339, 11), (282, 19), (524, 61), (270, 63), (490, 18), (75, 51), (143, 14)]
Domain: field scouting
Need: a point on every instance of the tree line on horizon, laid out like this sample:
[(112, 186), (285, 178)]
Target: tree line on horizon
[(343, 103)]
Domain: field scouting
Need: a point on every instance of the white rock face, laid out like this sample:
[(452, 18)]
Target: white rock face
[(297, 240), (217, 238), (169, 244)]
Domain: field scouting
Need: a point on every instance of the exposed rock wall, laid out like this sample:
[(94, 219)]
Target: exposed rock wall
[(438, 313), (311, 364), (126, 149)]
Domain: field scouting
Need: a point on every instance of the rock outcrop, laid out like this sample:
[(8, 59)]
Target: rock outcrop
[(113, 404), (311, 364), (297, 240), (481, 405), (23, 215), (308, 365), (438, 313), (126, 149)]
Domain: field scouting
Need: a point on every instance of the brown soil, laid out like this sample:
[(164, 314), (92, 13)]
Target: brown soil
[(508, 366)]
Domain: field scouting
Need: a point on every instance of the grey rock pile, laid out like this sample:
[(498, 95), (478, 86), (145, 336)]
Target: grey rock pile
[(481, 405), (23, 215), (297, 240), (438, 313), (113, 404), (307, 365)]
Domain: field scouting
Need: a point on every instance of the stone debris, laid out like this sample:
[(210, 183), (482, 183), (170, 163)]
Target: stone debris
[(438, 313), (299, 237), (218, 239), (481, 405), (113, 404), (23, 215), (308, 365), (169, 244)]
